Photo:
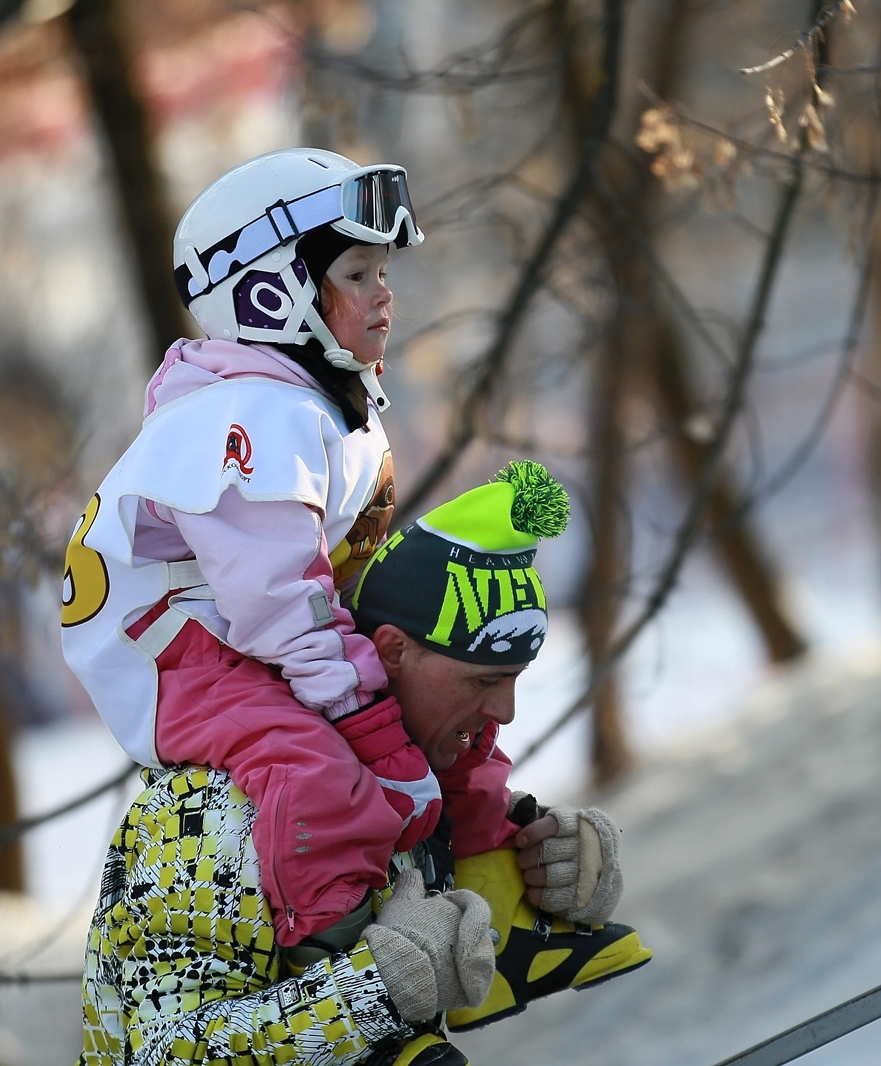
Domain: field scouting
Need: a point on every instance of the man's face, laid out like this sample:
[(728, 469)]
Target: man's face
[(445, 703)]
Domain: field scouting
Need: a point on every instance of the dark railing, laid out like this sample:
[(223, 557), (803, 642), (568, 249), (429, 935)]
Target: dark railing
[(814, 1033)]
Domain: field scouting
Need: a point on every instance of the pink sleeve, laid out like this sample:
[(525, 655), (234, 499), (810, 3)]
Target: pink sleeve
[(476, 798), (267, 563), (377, 737)]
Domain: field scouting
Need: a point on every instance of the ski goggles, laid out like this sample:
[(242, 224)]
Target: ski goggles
[(371, 204)]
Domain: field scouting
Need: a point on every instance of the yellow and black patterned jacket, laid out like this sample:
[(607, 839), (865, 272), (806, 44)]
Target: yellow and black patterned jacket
[(182, 965)]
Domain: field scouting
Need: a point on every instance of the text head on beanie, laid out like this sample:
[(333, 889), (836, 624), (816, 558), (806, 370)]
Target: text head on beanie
[(460, 580)]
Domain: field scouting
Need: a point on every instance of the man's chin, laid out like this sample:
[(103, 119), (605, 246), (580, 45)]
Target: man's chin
[(441, 760)]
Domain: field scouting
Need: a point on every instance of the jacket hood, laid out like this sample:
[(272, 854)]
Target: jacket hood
[(192, 364)]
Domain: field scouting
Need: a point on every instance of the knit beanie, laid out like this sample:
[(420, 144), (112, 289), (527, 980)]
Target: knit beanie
[(460, 580)]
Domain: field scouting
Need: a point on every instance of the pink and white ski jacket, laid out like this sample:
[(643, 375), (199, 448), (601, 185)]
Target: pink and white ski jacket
[(245, 465), (266, 559)]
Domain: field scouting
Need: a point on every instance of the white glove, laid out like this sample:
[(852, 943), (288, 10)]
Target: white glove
[(433, 952), (584, 878)]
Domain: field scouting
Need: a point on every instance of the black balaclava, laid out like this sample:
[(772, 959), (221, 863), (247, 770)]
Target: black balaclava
[(318, 249)]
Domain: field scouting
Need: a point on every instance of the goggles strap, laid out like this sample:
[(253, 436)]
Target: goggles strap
[(280, 224)]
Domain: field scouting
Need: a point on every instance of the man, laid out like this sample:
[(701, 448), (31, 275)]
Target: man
[(182, 963)]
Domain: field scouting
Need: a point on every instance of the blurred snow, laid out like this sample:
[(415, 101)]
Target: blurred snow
[(752, 854), (751, 822), (756, 924), (752, 859)]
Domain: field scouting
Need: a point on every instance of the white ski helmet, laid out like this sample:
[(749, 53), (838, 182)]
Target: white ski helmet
[(235, 250)]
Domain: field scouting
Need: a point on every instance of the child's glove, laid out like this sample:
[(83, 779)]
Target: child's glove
[(584, 878), (433, 952), (376, 735)]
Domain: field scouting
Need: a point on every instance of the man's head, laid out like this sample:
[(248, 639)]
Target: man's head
[(457, 609)]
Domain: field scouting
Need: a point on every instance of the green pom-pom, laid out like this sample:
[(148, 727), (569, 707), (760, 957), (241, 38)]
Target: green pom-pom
[(541, 505)]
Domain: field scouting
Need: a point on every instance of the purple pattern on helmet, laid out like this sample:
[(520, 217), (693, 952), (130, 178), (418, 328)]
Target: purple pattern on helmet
[(256, 310), (260, 310)]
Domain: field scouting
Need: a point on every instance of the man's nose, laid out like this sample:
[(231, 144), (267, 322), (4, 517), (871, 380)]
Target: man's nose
[(499, 707)]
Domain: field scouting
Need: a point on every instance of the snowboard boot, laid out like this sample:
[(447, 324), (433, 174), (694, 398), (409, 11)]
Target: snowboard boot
[(537, 953), (426, 1049)]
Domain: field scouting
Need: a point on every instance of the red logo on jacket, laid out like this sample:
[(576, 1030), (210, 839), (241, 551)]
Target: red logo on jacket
[(238, 450)]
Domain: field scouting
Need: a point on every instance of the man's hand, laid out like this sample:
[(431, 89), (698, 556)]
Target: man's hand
[(433, 952), (569, 860)]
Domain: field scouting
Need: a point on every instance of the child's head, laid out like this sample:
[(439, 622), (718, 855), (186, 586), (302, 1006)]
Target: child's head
[(354, 299), (246, 248)]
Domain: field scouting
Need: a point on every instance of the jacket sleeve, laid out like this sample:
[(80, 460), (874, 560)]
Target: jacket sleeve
[(476, 797), (267, 563), (331, 1016), (376, 735)]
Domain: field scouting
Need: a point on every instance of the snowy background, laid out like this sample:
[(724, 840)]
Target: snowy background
[(751, 849), (752, 835)]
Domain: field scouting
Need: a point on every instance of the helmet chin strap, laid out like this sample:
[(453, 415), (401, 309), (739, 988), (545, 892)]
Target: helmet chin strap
[(343, 359)]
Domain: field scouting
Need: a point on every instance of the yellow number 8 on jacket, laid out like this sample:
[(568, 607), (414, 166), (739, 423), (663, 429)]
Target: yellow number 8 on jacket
[(86, 583)]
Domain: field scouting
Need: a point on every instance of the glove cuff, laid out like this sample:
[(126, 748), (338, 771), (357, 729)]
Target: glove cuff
[(600, 905), (584, 877), (406, 972)]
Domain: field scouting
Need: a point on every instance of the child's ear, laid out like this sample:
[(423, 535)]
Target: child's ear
[(390, 643)]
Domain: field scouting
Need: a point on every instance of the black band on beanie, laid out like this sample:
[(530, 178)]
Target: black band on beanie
[(480, 607)]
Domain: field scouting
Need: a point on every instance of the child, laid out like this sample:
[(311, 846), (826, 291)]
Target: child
[(200, 605)]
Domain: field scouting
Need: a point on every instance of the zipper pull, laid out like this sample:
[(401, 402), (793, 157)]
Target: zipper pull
[(289, 912)]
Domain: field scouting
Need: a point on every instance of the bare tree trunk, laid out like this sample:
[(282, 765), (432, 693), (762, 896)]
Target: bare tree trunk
[(872, 402), (101, 37), (11, 860), (605, 580), (872, 399), (747, 566), (641, 344)]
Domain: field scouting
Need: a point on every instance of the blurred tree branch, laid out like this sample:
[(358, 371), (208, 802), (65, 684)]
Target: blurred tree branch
[(690, 527), (101, 34), (643, 344), (491, 365)]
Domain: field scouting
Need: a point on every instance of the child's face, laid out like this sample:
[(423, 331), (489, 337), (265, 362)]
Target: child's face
[(358, 302)]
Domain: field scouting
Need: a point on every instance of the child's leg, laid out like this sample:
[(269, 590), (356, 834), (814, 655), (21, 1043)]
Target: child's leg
[(324, 832)]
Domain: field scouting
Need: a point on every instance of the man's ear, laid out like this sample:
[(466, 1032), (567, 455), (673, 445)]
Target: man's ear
[(391, 644)]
